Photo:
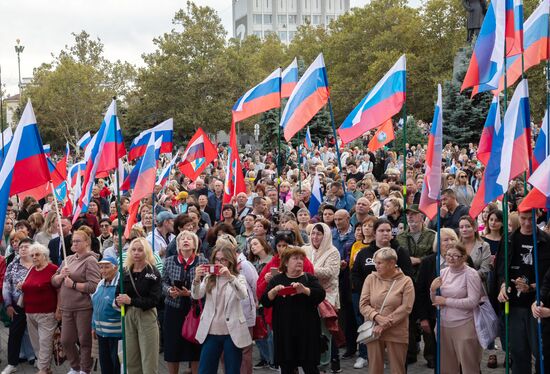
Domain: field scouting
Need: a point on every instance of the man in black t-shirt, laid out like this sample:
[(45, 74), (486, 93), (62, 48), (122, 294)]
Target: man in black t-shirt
[(521, 289)]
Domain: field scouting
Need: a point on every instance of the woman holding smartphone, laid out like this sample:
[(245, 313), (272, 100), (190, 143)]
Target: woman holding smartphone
[(222, 326), (179, 271)]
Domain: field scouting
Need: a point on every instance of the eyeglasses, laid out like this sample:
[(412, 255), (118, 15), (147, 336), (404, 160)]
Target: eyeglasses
[(224, 260), (454, 257)]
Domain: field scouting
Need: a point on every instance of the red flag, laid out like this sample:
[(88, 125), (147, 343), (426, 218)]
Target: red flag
[(200, 152), (383, 136), (234, 179)]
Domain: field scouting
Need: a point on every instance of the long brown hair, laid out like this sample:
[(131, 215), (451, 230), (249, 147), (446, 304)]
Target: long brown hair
[(230, 255)]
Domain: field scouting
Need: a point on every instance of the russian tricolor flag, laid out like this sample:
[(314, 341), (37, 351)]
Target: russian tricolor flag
[(93, 156), (432, 178), (381, 103), (539, 196), (486, 140), (145, 183), (511, 142), (486, 64), (113, 148), (289, 79), (536, 45), (165, 173), (308, 144), (5, 142), (517, 137), (542, 146), (164, 131), (514, 27), (131, 180), (316, 196), (25, 166), (309, 96), (47, 150), (264, 96), (84, 140)]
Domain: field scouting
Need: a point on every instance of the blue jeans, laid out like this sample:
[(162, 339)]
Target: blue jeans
[(108, 355), (265, 346), (212, 349), (359, 318)]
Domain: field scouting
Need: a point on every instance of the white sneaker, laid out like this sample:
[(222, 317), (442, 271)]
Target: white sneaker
[(73, 371), (360, 363), (9, 369)]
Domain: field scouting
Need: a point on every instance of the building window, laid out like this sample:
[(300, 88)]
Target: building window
[(281, 19), (341, 6), (291, 35), (315, 20), (257, 19), (292, 19), (282, 36), (316, 4), (329, 4), (268, 19), (329, 19), (305, 4), (258, 34), (306, 20), (267, 3)]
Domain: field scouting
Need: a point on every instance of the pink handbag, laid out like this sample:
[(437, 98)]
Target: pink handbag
[(191, 322)]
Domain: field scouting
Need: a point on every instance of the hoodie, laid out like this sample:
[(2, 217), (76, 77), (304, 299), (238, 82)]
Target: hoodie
[(84, 269)]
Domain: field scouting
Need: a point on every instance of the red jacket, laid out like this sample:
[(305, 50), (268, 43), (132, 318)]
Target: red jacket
[(262, 284)]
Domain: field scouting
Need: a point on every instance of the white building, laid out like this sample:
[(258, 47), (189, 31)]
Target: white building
[(259, 17)]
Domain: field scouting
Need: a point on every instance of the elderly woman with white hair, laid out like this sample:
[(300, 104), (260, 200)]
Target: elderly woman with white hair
[(387, 299), (179, 272), (40, 305)]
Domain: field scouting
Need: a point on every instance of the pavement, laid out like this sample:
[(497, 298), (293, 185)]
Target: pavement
[(346, 365)]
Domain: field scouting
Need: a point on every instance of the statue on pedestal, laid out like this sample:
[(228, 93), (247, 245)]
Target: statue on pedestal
[(476, 12)]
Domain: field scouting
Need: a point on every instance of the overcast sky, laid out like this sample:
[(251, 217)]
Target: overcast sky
[(126, 28)]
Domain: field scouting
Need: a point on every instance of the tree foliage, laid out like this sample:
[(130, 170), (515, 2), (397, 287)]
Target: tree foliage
[(71, 93), (195, 74)]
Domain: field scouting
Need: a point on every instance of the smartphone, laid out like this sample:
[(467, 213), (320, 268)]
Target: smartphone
[(288, 290), (274, 271), (213, 269), (178, 284)]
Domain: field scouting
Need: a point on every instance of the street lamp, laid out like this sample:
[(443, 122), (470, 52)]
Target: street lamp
[(19, 49)]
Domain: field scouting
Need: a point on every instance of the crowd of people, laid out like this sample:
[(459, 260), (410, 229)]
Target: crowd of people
[(205, 282)]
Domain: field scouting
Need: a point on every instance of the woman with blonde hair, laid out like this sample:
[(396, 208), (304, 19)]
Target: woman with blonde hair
[(387, 298), (142, 284), (36, 220), (179, 271), (223, 325), (460, 292), (424, 309), (48, 229), (463, 190)]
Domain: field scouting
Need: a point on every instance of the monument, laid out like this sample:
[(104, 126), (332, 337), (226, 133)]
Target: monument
[(476, 11)]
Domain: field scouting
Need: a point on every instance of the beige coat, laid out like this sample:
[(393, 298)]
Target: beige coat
[(233, 311), (398, 305), (326, 262)]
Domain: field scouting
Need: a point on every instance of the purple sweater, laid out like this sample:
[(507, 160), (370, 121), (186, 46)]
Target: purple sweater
[(462, 290)]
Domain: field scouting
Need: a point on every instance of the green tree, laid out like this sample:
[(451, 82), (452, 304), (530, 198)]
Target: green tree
[(184, 78), (71, 93), (415, 135), (463, 117)]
